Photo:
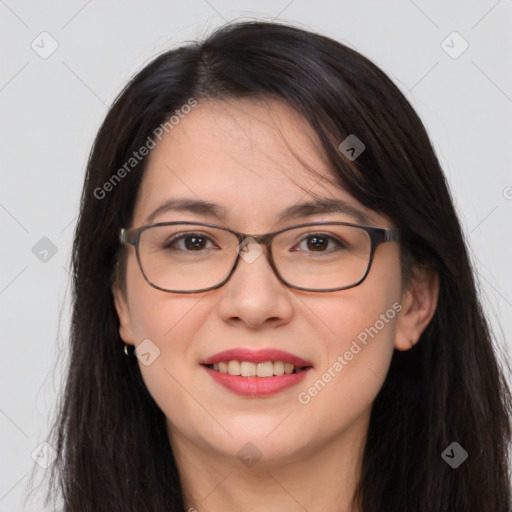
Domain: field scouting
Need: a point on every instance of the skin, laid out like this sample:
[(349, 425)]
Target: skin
[(310, 454)]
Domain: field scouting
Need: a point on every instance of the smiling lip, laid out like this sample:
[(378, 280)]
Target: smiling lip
[(256, 386), (256, 356)]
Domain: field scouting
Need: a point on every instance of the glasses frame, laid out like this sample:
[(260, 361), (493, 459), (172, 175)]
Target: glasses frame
[(377, 235)]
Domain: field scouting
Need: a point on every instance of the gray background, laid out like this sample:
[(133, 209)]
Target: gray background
[(52, 108)]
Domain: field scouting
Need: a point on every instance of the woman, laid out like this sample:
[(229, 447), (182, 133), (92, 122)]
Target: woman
[(335, 357)]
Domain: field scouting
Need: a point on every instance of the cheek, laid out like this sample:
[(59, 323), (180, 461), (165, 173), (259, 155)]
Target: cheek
[(171, 323), (162, 317), (154, 314), (361, 314), (358, 351), (163, 325), (353, 371)]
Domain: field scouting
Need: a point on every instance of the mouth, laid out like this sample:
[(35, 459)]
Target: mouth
[(256, 373)]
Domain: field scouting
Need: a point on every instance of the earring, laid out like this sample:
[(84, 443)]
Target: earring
[(126, 349)]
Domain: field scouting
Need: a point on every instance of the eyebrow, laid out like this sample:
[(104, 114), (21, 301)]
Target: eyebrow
[(318, 206)]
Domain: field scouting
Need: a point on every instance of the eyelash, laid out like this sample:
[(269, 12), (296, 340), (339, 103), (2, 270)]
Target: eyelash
[(183, 236)]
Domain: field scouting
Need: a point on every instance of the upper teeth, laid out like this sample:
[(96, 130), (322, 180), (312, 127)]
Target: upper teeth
[(248, 369)]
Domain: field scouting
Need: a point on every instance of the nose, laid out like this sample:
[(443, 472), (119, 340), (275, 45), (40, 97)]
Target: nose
[(254, 295)]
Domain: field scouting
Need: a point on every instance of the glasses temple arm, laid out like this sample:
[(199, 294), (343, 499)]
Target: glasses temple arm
[(392, 234)]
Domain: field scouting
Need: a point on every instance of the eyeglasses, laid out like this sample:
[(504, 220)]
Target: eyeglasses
[(192, 257)]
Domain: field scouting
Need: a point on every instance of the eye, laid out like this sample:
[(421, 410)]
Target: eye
[(191, 242), (319, 242)]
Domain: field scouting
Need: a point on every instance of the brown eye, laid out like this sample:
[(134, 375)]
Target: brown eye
[(194, 242), (316, 243), (189, 242), (319, 243)]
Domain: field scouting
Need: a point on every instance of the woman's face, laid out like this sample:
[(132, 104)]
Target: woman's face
[(245, 156)]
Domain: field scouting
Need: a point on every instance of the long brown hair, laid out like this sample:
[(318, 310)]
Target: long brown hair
[(113, 449)]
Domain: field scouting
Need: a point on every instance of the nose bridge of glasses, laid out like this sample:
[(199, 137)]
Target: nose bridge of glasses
[(250, 247), (261, 240)]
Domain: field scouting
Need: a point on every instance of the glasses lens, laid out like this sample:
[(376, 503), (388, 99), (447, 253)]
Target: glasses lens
[(186, 257), (322, 257)]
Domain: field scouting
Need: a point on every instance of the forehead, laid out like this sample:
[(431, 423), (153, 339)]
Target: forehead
[(263, 136), (253, 157)]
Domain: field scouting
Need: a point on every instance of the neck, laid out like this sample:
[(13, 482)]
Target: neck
[(321, 477)]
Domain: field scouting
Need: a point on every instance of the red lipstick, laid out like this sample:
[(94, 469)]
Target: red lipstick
[(256, 356), (256, 386)]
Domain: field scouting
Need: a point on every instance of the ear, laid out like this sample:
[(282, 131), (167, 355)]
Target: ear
[(125, 326), (419, 301)]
